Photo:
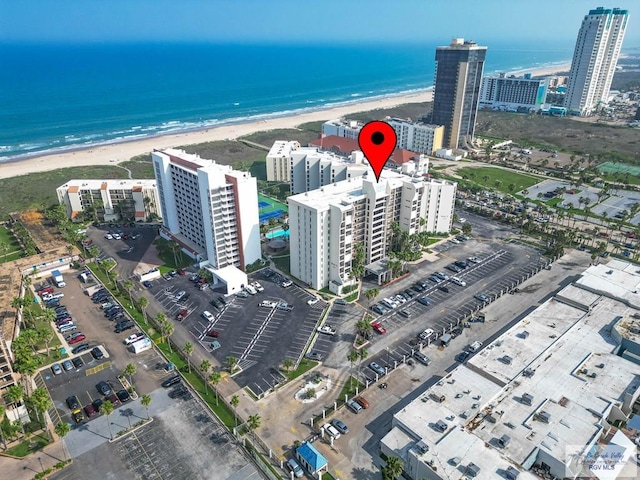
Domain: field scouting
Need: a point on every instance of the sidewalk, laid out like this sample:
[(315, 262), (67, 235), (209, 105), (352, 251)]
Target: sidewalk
[(28, 467)]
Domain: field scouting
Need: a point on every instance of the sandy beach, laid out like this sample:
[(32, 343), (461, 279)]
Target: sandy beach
[(118, 152)]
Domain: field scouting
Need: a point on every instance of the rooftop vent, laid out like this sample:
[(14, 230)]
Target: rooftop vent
[(526, 398), (544, 417), (506, 360), (503, 441), (528, 372), (422, 447), (524, 334), (600, 365)]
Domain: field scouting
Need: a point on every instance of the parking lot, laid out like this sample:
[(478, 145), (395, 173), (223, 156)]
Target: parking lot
[(260, 338)]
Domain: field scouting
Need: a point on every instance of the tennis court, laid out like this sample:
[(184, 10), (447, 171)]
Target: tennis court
[(270, 208), (611, 167)]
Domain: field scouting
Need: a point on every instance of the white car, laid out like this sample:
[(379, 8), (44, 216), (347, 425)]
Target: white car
[(426, 334), (327, 329), (208, 315), (473, 259), (108, 236), (268, 304), (312, 301), (458, 281), (116, 236), (257, 286), (133, 338), (331, 430), (250, 290)]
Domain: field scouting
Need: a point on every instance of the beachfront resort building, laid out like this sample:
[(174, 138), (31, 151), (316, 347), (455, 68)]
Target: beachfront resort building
[(342, 128), (417, 136), (560, 384), (458, 77), (110, 200), (513, 94), (594, 59), (327, 224), (308, 168), (211, 210)]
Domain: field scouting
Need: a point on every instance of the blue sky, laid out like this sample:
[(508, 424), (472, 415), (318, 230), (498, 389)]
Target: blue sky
[(546, 21)]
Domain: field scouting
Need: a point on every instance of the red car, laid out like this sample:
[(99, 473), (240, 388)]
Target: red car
[(213, 334), (77, 339), (182, 272), (379, 328), (45, 291)]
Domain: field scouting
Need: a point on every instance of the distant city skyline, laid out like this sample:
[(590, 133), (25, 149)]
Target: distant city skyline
[(279, 21)]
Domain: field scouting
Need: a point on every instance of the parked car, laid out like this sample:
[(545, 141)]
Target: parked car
[(377, 326), (482, 297), (327, 329), (124, 326), (134, 337), (147, 284), (362, 402), (123, 396), (90, 410), (80, 348), (314, 356), (103, 388), (295, 468), (421, 357), (340, 426), (424, 301), (331, 430), (208, 315), (97, 353), (377, 368), (78, 416), (77, 362), (354, 406), (56, 369), (171, 381), (77, 339), (72, 402), (312, 301)]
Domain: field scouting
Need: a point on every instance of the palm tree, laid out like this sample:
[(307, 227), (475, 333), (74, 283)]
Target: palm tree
[(62, 429), (41, 402), (130, 371), (2, 411), (353, 357), (371, 294), (287, 363), (145, 401), (235, 401), (143, 303), (188, 351), (15, 394), (364, 327), (205, 366), (393, 469), (362, 354), (166, 330), (175, 248), (128, 286), (253, 423), (215, 378), (232, 362), (107, 409)]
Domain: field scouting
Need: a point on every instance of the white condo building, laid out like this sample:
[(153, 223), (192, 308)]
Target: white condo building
[(110, 200), (417, 136), (513, 93), (342, 128), (308, 168), (326, 224), (594, 59), (211, 210)]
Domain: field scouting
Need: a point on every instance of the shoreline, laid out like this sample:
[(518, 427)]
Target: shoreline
[(123, 150)]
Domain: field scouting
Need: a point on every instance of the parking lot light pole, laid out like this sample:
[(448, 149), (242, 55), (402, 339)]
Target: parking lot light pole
[(41, 465)]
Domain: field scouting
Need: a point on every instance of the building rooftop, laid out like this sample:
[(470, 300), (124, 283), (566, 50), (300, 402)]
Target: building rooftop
[(312, 456), (336, 144), (282, 148), (76, 185), (545, 385)]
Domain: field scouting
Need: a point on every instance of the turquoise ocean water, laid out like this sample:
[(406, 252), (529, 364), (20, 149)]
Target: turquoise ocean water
[(56, 97)]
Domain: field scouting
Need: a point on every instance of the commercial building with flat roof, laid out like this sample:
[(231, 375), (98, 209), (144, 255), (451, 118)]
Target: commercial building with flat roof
[(594, 59), (417, 136), (327, 224), (458, 76), (342, 128), (538, 399), (110, 200), (210, 209)]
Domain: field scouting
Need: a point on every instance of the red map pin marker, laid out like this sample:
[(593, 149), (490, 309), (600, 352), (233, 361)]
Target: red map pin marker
[(377, 141)]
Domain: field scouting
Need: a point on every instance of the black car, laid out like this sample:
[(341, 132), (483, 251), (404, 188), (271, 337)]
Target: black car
[(418, 288), (72, 402), (52, 303), (410, 292), (444, 289), (123, 396), (223, 300), (124, 326), (314, 356), (462, 264), (117, 316), (180, 392), (97, 353), (103, 388), (60, 308), (171, 381), (113, 308), (77, 362), (80, 348), (113, 313), (215, 303)]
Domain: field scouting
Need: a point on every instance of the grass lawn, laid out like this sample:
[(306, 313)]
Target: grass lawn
[(304, 367), (227, 152), (282, 262), (18, 193), (506, 177), (409, 110), (315, 127), (554, 201), (171, 261), (327, 476), (27, 447), (140, 166), (267, 137), (258, 169)]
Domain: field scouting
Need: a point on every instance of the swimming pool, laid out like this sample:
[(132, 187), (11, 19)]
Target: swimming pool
[(278, 232)]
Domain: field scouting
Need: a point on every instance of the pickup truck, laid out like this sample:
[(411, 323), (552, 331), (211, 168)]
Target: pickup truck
[(327, 329)]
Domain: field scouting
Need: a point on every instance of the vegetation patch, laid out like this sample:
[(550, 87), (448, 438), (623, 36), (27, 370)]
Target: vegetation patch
[(267, 137), (506, 181), (28, 447), (304, 366)]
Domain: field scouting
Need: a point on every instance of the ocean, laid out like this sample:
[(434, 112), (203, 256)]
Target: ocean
[(57, 97)]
